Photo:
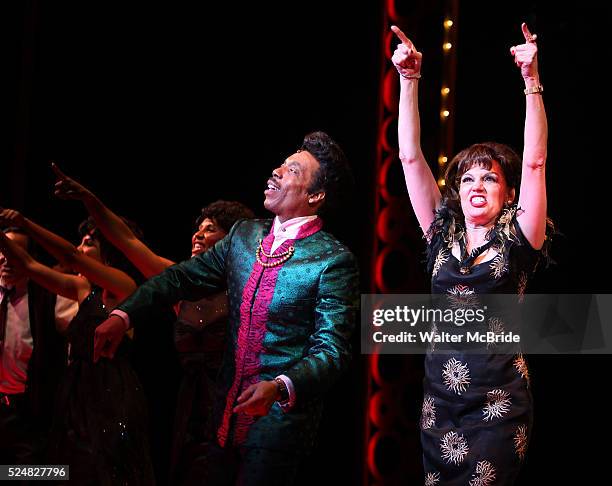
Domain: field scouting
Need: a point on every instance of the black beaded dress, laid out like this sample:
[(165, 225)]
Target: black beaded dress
[(199, 338), (100, 424), (477, 409)]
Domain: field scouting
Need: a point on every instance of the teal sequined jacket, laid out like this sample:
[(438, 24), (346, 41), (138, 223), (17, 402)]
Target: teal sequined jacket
[(294, 319)]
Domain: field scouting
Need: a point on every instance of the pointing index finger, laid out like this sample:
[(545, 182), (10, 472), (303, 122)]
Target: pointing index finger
[(401, 36), (529, 37), (56, 170)]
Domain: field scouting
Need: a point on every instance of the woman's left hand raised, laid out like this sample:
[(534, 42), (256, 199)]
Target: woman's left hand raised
[(526, 55)]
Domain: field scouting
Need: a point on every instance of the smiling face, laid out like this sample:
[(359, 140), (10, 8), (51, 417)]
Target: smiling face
[(287, 193), (483, 193), (208, 233)]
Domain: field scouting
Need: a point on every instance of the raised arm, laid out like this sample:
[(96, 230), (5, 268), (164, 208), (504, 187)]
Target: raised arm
[(532, 199), (190, 280), (112, 226), (69, 286), (115, 281), (422, 187)]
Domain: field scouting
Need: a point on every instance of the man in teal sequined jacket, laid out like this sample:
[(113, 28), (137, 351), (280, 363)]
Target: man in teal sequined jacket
[(293, 296)]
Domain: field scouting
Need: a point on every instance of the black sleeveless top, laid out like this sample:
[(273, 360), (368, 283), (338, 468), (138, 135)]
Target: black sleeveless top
[(477, 409), (100, 426)]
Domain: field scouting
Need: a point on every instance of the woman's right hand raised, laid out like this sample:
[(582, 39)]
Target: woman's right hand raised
[(406, 59), (67, 188)]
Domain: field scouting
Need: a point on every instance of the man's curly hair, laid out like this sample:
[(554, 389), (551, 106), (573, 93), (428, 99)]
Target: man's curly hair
[(334, 176)]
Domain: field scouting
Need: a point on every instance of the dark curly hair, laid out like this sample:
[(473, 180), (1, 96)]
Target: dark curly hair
[(334, 176), (479, 155), (225, 213), (110, 255)]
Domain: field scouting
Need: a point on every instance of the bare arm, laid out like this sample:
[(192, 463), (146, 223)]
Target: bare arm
[(115, 281), (422, 187), (69, 286), (112, 226), (532, 199)]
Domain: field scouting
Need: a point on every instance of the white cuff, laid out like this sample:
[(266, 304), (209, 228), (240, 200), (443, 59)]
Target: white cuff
[(123, 315), (290, 402)]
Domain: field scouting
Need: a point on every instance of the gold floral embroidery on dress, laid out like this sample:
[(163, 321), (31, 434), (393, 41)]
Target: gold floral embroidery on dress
[(520, 441), (454, 448), (456, 376), (498, 266), (484, 475), (496, 326), (441, 259), (428, 413), (498, 404), (462, 297), (432, 478), (521, 366)]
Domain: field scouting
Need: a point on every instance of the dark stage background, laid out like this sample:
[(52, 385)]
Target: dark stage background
[(163, 108)]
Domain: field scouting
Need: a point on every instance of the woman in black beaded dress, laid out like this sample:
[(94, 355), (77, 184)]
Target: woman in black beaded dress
[(100, 419), (477, 409), (199, 330)]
